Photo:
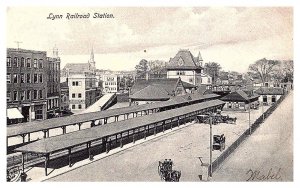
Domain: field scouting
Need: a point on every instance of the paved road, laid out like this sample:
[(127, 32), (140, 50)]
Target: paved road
[(268, 151), (139, 163)]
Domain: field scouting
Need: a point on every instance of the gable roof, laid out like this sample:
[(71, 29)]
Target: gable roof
[(168, 84), (270, 91), (151, 92), (77, 67), (239, 96), (187, 85), (184, 59)]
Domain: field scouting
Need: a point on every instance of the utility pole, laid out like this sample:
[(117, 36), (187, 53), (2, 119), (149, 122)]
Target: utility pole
[(249, 118), (210, 148), (18, 43)]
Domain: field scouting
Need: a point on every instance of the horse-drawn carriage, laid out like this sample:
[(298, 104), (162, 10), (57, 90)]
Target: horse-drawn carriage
[(166, 172), (219, 142), (216, 119), (227, 119)]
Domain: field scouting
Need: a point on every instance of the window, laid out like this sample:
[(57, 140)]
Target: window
[(79, 106), (273, 98), (73, 95), (35, 94), (8, 97), (28, 78), (15, 97), (41, 94), (265, 99), (41, 78), (73, 106), (28, 62), (208, 80), (79, 83), (22, 62), (35, 63), (22, 95), (22, 78), (16, 63), (15, 78), (28, 95), (79, 95), (39, 114), (8, 61), (35, 78), (8, 78), (41, 63)]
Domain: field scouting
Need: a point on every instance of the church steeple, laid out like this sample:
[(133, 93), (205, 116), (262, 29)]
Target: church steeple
[(92, 61), (92, 55)]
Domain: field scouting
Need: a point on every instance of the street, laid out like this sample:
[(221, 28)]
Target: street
[(269, 151)]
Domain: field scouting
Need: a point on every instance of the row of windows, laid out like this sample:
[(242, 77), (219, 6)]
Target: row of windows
[(74, 95), (24, 78), (110, 83), (110, 79), (76, 83), (74, 106), (53, 78), (180, 73), (16, 62), (24, 95)]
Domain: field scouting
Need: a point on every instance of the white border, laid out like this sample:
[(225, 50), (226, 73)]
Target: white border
[(136, 3)]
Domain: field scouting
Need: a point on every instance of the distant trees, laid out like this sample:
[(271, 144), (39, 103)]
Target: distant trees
[(264, 68), (142, 68), (213, 70), (155, 69), (267, 70), (126, 82)]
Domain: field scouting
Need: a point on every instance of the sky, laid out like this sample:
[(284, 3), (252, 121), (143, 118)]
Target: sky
[(232, 36)]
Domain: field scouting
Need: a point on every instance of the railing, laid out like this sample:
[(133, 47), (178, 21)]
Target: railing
[(245, 135)]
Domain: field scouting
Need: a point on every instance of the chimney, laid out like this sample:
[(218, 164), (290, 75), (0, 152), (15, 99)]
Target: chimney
[(147, 75)]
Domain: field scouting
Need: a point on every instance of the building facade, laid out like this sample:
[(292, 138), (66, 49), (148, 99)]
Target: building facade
[(82, 91), (82, 87), (187, 67), (53, 86), (269, 95), (110, 83), (240, 101), (27, 83)]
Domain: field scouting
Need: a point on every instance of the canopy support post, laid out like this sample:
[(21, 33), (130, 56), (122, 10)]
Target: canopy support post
[(46, 163), (70, 157)]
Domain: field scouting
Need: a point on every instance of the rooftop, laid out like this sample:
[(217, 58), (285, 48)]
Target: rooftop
[(270, 91), (60, 142), (184, 59)]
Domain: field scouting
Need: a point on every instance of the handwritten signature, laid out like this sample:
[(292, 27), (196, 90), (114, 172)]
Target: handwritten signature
[(256, 175)]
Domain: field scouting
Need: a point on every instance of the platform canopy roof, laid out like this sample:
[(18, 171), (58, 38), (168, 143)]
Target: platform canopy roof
[(72, 139), (35, 126)]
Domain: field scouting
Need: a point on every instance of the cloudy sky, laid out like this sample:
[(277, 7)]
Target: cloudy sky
[(233, 37)]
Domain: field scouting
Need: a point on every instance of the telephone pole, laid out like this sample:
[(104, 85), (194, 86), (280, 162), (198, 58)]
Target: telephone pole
[(18, 43)]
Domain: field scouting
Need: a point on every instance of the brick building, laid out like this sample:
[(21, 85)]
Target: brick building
[(53, 86), (33, 89), (26, 83)]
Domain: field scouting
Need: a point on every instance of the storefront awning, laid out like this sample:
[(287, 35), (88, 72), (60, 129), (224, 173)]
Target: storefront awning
[(13, 113)]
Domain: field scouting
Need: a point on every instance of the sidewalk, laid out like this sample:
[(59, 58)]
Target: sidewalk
[(269, 150)]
